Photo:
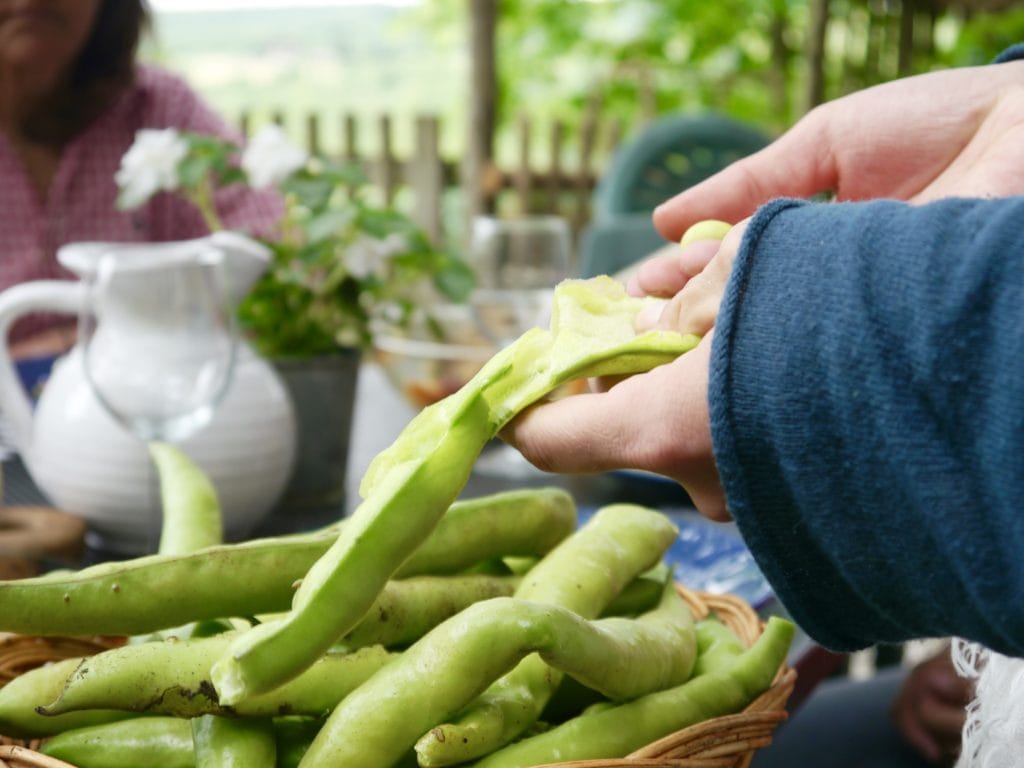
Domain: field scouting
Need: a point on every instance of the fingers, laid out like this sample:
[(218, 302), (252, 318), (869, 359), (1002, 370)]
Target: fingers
[(665, 275), (798, 164), (694, 309), (597, 432)]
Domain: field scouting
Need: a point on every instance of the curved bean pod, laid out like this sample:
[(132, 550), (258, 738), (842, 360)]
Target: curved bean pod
[(155, 741), (146, 594), (191, 509), (582, 574), (173, 678), (611, 732), (406, 609), (20, 697), (426, 467), (378, 722), (379, 536), (717, 646)]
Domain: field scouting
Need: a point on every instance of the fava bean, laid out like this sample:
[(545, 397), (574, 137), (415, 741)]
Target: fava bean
[(191, 509), (144, 741), (717, 646), (147, 594), (20, 697), (583, 574), (406, 609), (221, 742), (379, 721), (173, 678), (408, 484), (610, 732)]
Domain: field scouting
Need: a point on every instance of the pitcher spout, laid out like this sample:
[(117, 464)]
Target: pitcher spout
[(245, 260)]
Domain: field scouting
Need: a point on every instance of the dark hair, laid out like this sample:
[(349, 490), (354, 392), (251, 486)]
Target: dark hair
[(104, 67)]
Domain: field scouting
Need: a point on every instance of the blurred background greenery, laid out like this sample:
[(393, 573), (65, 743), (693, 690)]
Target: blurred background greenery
[(627, 58), (572, 79)]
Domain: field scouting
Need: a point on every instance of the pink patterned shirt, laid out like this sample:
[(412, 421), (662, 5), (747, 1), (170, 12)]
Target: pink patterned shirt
[(80, 204)]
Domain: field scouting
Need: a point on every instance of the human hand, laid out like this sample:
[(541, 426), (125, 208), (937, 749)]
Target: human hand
[(601, 431), (929, 710), (671, 435), (692, 280), (958, 132)]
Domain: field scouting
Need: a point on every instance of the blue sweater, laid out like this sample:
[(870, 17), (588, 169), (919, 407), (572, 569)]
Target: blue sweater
[(867, 405)]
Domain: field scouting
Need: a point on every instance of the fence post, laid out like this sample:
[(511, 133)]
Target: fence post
[(313, 134), (385, 167), (523, 180), (426, 177), (588, 130), (555, 180)]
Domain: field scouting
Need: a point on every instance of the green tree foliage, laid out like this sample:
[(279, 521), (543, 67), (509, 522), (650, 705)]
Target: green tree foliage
[(746, 58)]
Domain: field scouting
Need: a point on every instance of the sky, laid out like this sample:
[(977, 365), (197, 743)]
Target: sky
[(169, 6)]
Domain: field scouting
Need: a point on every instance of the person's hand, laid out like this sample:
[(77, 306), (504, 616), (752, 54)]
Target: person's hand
[(692, 280), (600, 431), (929, 709), (49, 343), (958, 132), (671, 434)]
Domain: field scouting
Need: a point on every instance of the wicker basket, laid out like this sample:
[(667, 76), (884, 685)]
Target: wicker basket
[(721, 742)]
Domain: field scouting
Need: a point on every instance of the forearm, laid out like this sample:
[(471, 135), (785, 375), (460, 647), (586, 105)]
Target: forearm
[(861, 405)]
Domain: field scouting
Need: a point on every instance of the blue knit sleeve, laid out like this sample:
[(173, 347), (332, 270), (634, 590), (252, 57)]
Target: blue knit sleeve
[(867, 406), (1012, 53)]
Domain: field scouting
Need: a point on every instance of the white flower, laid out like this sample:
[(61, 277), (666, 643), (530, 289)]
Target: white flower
[(368, 255), (150, 165), (270, 157)]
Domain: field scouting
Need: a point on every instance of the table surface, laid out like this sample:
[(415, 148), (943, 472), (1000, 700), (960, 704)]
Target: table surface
[(381, 414)]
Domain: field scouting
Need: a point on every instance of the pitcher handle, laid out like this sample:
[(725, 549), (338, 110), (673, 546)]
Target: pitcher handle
[(63, 296)]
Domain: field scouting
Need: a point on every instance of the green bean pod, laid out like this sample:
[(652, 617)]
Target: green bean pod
[(379, 536), (173, 678), (612, 732), (406, 609), (293, 735), (145, 741), (191, 509), (220, 742), (155, 592), (36, 687), (717, 646), (623, 658), (591, 334), (583, 574), (527, 522)]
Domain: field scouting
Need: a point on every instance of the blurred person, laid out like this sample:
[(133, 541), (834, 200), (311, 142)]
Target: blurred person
[(72, 96), (901, 717), (856, 403)]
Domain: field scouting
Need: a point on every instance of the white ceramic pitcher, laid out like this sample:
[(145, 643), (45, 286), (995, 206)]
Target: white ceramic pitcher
[(88, 464)]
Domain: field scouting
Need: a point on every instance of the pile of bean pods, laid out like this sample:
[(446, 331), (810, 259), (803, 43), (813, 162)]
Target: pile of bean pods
[(423, 629), (509, 638)]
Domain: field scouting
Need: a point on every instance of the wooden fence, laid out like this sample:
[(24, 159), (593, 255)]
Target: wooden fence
[(563, 184)]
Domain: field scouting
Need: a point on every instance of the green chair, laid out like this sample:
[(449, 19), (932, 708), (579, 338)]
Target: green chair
[(668, 155)]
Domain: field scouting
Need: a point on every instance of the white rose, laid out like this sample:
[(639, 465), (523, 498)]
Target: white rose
[(150, 165), (270, 157)]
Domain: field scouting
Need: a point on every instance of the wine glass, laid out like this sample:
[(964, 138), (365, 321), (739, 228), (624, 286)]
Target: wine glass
[(517, 262), (158, 340)]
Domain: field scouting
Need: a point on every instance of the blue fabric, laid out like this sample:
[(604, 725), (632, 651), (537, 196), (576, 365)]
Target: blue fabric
[(867, 406), (1012, 53)]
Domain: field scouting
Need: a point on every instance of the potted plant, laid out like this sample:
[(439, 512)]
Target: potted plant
[(340, 263)]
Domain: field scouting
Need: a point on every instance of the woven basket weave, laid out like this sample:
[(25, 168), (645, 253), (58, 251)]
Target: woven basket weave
[(721, 742)]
